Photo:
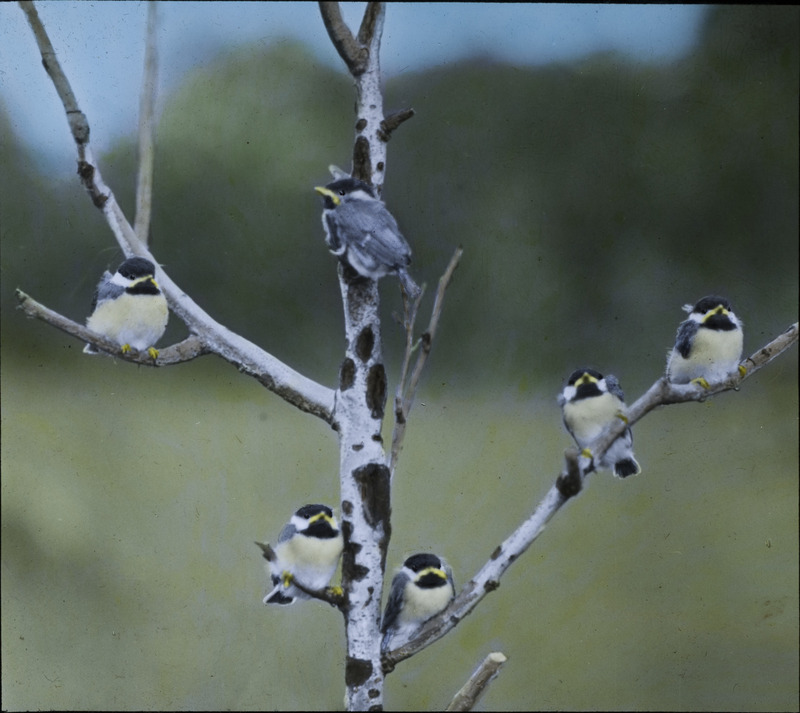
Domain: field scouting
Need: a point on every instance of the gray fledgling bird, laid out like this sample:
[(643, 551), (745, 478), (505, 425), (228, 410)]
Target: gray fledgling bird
[(360, 231), (590, 402), (708, 346), (421, 589), (129, 307)]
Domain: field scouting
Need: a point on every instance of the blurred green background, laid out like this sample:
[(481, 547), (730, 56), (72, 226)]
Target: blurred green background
[(592, 199)]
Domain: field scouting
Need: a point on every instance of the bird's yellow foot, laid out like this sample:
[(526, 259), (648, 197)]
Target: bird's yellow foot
[(742, 370), (287, 578), (126, 348), (153, 352), (622, 417), (336, 591), (586, 453), (700, 381)]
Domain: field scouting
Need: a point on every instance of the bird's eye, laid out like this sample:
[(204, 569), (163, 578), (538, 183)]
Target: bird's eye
[(341, 192)]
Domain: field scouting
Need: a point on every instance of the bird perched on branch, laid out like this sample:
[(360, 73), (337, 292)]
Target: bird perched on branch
[(708, 346), (363, 233), (421, 589), (308, 551), (590, 403), (129, 307)]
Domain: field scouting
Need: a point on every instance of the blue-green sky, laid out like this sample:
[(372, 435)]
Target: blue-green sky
[(100, 45)]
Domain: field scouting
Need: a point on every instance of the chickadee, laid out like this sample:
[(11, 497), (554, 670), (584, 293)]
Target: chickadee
[(360, 231), (590, 402), (129, 307), (308, 550), (708, 346), (421, 589)]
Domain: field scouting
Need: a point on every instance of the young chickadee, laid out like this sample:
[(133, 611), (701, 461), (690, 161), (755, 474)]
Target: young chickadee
[(421, 589), (360, 231), (708, 346), (129, 307), (590, 402), (308, 551)]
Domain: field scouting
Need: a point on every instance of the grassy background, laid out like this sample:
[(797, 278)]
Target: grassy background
[(131, 498)]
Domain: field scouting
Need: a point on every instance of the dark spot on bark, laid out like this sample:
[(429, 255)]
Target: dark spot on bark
[(356, 672), (347, 374), (362, 168), (376, 390), (365, 343), (374, 487)]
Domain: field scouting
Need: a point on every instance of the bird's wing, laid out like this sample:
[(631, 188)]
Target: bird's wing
[(106, 290), (375, 231), (449, 572), (683, 341), (287, 532), (612, 384), (395, 602)]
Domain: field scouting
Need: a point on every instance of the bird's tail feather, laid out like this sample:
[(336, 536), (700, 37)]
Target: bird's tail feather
[(625, 467)]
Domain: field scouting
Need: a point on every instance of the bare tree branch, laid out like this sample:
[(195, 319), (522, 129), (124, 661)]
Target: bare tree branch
[(663, 392), (391, 122), (577, 468), (404, 396), (371, 24), (190, 348), (293, 387), (475, 687), (354, 53), (76, 118), (147, 100)]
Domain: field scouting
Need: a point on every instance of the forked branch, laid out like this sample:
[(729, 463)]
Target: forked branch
[(354, 53), (147, 102)]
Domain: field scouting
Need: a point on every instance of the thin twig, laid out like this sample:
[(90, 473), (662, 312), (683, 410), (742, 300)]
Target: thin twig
[(404, 396), (78, 124), (411, 309), (488, 577), (475, 687), (147, 129)]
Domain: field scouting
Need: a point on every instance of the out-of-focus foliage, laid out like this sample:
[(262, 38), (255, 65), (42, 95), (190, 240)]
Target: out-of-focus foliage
[(592, 199)]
